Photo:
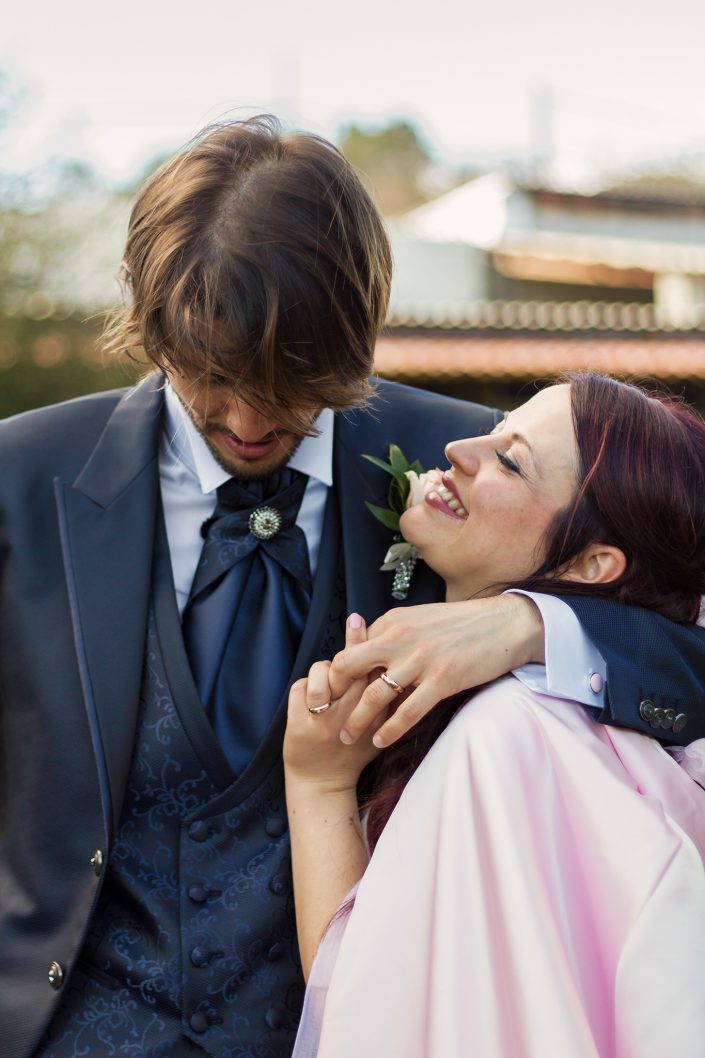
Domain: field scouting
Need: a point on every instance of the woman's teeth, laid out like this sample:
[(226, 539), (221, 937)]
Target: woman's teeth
[(432, 481), (448, 497)]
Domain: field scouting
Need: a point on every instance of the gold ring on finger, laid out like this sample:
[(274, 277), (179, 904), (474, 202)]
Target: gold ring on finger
[(392, 683), (318, 709)]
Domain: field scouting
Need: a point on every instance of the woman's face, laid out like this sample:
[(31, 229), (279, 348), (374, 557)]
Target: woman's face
[(482, 526)]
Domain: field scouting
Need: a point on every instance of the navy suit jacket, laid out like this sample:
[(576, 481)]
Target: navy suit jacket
[(78, 499)]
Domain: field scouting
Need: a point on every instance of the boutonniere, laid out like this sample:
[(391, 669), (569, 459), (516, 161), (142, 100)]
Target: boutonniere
[(405, 489)]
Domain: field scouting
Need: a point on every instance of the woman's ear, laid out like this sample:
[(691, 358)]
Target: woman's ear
[(598, 564)]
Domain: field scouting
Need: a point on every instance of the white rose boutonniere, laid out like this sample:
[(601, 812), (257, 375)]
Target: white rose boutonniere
[(405, 490)]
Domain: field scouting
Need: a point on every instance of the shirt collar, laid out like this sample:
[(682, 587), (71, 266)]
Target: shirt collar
[(313, 457)]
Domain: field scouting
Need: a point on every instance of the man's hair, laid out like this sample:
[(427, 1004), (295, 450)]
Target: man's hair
[(257, 260)]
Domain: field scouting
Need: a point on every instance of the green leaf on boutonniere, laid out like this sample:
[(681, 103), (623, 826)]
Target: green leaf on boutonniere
[(401, 556), (398, 460), (381, 464), (389, 519), (397, 468)]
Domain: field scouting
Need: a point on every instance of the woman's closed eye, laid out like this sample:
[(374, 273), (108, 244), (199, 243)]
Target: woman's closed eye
[(507, 463)]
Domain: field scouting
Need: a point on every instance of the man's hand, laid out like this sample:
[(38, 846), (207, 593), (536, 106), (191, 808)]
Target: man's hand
[(435, 651)]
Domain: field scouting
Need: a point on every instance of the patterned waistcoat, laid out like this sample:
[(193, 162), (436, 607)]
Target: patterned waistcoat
[(192, 949)]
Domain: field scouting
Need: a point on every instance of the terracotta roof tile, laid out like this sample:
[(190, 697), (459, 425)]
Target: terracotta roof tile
[(516, 356), (537, 316)]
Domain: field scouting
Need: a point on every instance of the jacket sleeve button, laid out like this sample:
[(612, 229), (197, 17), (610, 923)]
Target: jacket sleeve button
[(679, 723), (647, 710), (56, 975), (97, 861)]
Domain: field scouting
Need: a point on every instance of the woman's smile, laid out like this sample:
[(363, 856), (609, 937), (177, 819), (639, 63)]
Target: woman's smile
[(444, 497), (514, 481)]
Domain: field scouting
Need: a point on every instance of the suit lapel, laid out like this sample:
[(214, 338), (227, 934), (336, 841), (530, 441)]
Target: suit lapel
[(106, 520)]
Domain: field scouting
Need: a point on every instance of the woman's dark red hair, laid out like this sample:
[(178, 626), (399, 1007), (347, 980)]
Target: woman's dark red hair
[(641, 488)]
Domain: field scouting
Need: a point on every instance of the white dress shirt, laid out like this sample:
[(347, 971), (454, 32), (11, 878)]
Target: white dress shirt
[(189, 476)]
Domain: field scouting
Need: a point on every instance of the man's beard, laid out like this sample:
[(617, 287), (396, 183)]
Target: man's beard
[(262, 468), (235, 465)]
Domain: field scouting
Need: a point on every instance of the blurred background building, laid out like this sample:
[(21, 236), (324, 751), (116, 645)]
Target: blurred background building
[(499, 281), (544, 190)]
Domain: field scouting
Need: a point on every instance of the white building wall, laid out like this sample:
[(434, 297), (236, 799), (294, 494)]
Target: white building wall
[(432, 278)]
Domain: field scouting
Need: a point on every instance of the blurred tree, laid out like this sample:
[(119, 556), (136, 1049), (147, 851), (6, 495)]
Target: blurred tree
[(61, 238), (394, 159)]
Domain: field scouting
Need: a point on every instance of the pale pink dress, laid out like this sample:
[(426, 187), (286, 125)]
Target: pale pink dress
[(539, 892)]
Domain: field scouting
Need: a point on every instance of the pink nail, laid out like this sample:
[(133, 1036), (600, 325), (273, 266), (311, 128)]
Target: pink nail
[(345, 738), (355, 620)]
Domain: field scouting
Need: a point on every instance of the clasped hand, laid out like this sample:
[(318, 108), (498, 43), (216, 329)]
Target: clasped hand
[(433, 651), (313, 750)]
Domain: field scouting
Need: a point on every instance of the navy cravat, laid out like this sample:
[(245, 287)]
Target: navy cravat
[(248, 606)]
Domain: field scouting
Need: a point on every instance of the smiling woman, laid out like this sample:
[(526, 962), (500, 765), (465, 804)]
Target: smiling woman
[(537, 880), (511, 484)]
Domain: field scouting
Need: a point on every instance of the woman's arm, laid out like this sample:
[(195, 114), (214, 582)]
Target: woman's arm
[(439, 649), (328, 849)]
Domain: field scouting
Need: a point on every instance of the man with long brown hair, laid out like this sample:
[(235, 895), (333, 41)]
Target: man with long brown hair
[(173, 557)]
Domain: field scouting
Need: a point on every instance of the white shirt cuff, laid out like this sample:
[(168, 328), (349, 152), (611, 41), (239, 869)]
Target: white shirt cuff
[(574, 668)]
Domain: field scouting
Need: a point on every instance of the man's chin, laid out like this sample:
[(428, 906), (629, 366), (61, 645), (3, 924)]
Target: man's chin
[(251, 469)]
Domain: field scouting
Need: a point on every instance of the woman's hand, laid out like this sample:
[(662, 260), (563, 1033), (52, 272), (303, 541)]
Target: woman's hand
[(434, 651), (313, 751)]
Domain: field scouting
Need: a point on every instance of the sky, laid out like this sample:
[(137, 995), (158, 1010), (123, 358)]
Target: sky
[(622, 81)]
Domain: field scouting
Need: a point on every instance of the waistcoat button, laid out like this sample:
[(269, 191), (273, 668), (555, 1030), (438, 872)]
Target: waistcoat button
[(279, 885), (56, 975), (274, 1017), (198, 893), (199, 957), (276, 951), (198, 1021), (97, 861), (275, 827), (199, 830)]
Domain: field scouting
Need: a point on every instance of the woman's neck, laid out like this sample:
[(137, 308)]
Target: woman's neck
[(464, 592)]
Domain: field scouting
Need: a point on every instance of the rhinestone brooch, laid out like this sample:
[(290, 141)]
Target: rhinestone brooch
[(265, 523)]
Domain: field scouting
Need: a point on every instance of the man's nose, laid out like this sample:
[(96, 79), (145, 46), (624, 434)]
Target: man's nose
[(247, 423)]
